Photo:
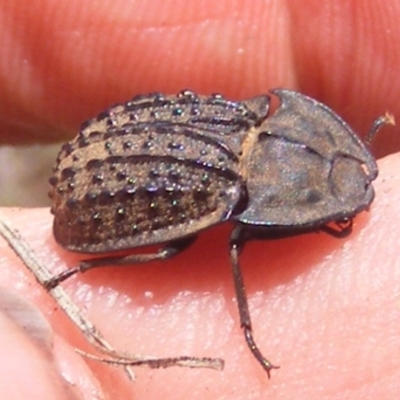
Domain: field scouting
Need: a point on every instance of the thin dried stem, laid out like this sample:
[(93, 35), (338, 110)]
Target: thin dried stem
[(91, 333)]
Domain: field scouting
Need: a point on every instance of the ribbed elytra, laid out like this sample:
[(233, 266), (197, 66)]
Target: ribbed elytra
[(159, 169), (169, 173)]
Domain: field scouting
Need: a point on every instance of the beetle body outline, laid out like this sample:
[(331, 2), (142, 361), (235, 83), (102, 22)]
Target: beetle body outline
[(161, 169)]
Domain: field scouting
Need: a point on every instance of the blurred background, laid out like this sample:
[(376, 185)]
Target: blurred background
[(24, 174)]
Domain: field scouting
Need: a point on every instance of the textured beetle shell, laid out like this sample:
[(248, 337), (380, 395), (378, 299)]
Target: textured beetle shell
[(160, 168), (306, 167), (152, 170)]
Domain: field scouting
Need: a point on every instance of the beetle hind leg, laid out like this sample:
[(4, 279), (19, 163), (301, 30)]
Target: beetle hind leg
[(169, 250), (237, 242)]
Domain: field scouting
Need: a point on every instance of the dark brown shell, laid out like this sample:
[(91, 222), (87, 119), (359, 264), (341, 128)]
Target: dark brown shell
[(152, 170), (159, 168)]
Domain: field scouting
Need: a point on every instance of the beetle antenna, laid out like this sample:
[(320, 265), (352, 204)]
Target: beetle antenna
[(387, 119)]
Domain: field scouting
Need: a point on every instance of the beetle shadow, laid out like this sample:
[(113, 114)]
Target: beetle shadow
[(205, 267), (269, 263), (202, 268)]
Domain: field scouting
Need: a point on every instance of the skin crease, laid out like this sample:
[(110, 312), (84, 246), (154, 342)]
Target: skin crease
[(326, 310)]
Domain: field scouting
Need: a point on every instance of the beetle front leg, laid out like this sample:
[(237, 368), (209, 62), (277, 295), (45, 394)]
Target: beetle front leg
[(237, 242), (340, 230), (169, 250)]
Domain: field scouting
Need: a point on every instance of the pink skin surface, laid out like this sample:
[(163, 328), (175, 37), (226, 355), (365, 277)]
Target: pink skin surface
[(326, 310)]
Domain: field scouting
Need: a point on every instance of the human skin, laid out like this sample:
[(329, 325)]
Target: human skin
[(326, 310)]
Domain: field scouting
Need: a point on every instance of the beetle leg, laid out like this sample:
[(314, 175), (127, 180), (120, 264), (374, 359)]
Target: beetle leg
[(237, 242), (169, 250), (342, 230)]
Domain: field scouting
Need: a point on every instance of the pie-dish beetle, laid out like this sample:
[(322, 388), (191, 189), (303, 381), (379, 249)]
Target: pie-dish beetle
[(160, 169)]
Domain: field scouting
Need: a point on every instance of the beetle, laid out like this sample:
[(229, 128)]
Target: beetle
[(159, 169)]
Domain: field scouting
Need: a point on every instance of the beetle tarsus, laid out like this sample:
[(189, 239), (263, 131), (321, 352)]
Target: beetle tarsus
[(56, 280), (267, 366)]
